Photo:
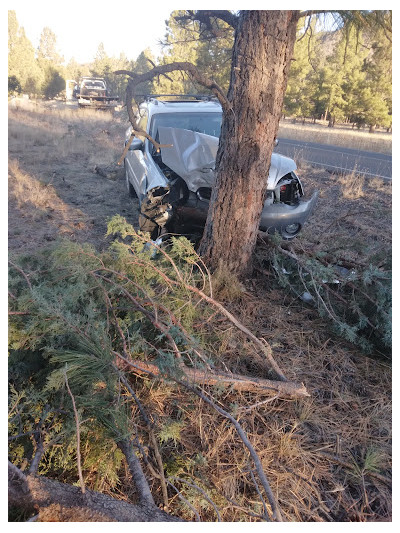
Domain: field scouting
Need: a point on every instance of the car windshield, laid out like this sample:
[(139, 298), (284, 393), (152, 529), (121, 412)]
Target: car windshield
[(208, 123)]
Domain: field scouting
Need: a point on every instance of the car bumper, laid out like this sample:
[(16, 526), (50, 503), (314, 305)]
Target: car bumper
[(278, 217)]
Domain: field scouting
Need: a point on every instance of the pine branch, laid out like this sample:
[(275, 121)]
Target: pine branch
[(78, 435), (205, 17), (136, 79), (138, 477)]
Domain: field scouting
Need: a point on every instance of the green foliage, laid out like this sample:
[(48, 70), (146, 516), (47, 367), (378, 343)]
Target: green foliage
[(171, 430), (53, 84), (104, 66), (14, 85), (21, 57), (357, 301), (343, 73), (75, 311), (47, 49)]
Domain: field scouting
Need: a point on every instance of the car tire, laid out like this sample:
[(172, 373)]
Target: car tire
[(129, 186)]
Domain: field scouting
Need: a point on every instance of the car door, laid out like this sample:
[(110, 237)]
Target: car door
[(137, 161)]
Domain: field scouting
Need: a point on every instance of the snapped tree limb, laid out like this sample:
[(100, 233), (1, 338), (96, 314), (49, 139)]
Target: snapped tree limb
[(284, 389)]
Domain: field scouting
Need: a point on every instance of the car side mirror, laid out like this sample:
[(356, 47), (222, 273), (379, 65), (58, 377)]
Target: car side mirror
[(136, 144)]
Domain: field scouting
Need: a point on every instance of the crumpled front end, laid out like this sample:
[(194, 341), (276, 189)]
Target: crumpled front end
[(192, 158)]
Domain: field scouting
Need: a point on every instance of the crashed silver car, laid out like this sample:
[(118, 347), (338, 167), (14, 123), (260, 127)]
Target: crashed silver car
[(174, 184)]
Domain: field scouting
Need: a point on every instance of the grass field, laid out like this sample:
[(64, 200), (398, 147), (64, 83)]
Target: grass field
[(327, 457), (341, 135)]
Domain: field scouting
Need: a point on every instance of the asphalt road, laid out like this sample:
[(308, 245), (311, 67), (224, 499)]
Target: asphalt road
[(335, 158)]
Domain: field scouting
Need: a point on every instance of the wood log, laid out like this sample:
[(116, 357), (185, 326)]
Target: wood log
[(60, 502), (283, 389)]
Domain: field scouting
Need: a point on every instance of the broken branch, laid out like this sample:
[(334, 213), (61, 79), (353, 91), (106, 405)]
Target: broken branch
[(284, 389), (78, 435)]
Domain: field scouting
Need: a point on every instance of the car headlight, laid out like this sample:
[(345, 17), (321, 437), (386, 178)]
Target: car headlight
[(292, 229)]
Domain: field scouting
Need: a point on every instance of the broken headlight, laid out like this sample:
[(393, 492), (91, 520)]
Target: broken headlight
[(289, 190)]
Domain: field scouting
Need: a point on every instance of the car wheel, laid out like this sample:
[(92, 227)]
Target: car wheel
[(129, 187)]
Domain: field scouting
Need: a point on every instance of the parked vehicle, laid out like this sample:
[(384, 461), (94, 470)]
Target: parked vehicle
[(174, 184), (93, 92)]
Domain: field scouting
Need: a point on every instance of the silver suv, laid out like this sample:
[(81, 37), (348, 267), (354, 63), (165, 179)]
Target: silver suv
[(174, 184)]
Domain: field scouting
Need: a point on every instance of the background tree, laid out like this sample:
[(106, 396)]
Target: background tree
[(207, 47), (47, 49), (13, 85), (179, 44), (53, 83), (141, 65), (50, 62), (298, 101), (74, 70), (21, 57), (105, 66)]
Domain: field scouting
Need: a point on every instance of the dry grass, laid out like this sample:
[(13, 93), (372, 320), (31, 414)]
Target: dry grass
[(338, 136), (37, 203), (320, 454), (352, 185), (54, 151)]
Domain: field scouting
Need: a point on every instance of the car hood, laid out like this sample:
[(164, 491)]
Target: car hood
[(192, 156)]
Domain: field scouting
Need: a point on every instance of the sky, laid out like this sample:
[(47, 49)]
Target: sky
[(80, 26)]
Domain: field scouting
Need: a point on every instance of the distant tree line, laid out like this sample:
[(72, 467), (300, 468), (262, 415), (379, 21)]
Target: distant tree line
[(340, 75), (343, 74), (42, 72)]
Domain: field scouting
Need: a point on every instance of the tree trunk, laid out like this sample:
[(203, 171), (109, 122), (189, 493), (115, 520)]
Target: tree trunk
[(263, 48), (60, 502)]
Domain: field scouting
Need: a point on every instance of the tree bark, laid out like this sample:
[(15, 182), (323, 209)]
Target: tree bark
[(60, 502), (139, 479), (263, 48)]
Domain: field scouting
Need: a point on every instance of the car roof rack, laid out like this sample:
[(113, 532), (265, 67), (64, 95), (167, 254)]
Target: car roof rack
[(178, 97)]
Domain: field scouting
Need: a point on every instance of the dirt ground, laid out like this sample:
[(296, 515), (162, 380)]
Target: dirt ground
[(64, 182)]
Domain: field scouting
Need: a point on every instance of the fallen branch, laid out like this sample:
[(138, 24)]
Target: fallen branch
[(139, 479), (276, 513), (153, 439), (78, 434), (181, 497), (60, 502), (261, 343), (282, 389)]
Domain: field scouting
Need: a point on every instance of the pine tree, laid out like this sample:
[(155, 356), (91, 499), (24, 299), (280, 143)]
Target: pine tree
[(104, 66), (298, 101), (47, 49), (21, 57)]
